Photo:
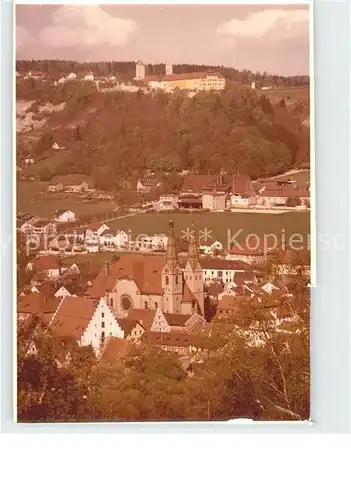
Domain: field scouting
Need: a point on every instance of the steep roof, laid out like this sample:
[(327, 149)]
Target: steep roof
[(72, 317), (36, 303), (145, 270), (176, 319), (128, 324), (143, 316), (115, 349)]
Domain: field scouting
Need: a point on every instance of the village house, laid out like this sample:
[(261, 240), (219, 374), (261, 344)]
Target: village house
[(222, 269), (166, 202), (36, 304), (108, 240), (179, 343), (275, 192), (89, 322), (252, 251), (47, 265), (64, 215)]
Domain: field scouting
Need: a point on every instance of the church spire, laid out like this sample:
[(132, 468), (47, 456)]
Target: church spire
[(171, 254), (193, 250)]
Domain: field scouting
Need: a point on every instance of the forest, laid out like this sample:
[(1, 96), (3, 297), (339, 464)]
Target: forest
[(115, 137)]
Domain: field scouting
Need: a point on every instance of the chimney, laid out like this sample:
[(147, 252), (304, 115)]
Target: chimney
[(107, 268)]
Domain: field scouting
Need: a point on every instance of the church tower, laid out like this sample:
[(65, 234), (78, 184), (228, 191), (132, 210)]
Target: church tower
[(172, 277), (193, 272)]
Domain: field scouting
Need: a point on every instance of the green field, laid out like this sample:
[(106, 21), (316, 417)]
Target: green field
[(32, 197), (219, 226)]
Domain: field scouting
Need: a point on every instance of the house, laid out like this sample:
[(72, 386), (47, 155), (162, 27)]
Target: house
[(56, 188), (216, 200), (36, 304), (64, 215), (89, 322), (197, 184), (241, 201), (114, 350), (43, 226), (276, 192), (71, 76), (133, 330), (148, 184), (47, 265), (222, 269), (89, 77), (253, 250), (56, 146), (63, 292), (166, 202), (215, 247), (190, 201), (179, 343)]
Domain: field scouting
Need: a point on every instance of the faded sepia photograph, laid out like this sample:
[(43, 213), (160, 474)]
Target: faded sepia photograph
[(163, 213)]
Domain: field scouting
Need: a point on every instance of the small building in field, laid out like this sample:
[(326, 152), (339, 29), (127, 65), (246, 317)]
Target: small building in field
[(64, 215), (148, 184)]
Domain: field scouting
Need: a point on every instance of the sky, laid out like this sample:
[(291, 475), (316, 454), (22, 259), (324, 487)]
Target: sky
[(273, 38)]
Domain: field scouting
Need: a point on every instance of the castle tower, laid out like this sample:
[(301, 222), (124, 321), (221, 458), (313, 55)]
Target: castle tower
[(169, 69), (193, 272), (172, 277), (139, 70)]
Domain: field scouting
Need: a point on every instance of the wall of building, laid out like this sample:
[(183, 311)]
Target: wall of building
[(102, 325)]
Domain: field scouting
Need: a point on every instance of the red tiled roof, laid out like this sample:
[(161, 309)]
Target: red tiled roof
[(239, 184), (94, 226), (144, 270), (176, 319), (143, 316), (219, 264), (36, 303), (46, 262), (177, 339), (73, 317), (252, 246), (188, 295), (115, 349), (128, 324)]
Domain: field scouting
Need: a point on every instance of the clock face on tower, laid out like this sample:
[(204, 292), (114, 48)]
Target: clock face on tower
[(126, 302)]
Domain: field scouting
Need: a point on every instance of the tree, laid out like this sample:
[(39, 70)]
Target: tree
[(45, 174)]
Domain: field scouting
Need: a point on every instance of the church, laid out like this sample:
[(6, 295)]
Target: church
[(137, 281)]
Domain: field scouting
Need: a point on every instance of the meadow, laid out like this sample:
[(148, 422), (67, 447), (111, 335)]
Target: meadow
[(218, 226), (32, 197)]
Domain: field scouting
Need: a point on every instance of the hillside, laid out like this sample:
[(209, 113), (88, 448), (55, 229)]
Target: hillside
[(115, 137)]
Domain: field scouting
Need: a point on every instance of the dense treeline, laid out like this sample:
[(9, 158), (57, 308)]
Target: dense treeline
[(115, 137), (127, 69)]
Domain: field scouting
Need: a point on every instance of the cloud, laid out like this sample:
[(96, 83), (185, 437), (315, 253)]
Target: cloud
[(23, 38), (276, 23), (86, 27)]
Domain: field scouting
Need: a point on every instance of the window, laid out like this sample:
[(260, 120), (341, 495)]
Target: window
[(111, 302), (177, 279), (102, 315), (102, 338), (167, 280), (102, 324), (156, 305), (146, 304)]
